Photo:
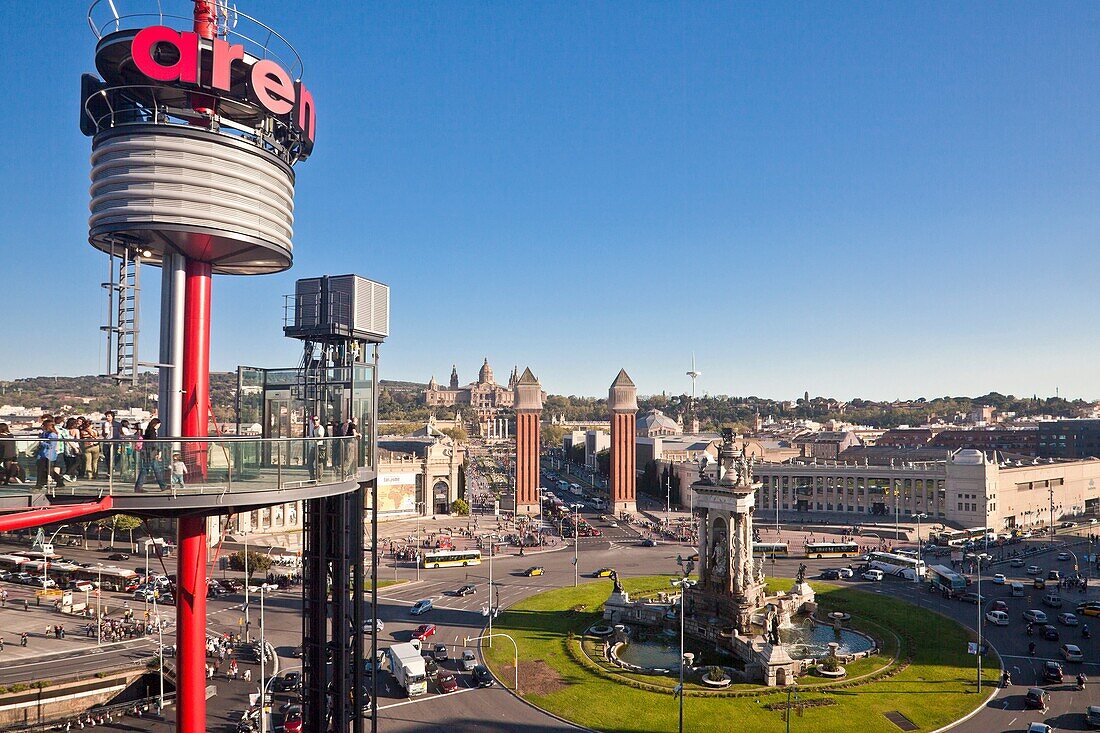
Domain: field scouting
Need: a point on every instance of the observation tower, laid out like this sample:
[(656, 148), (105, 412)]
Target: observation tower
[(197, 119)]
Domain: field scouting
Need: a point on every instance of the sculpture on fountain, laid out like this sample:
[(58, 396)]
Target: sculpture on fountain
[(730, 605)]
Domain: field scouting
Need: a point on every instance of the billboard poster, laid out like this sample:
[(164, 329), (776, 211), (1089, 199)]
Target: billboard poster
[(397, 492)]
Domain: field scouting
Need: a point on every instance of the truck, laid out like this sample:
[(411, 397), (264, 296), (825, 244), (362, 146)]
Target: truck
[(407, 667)]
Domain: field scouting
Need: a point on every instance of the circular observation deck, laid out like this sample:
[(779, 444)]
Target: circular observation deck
[(194, 170), (218, 476)]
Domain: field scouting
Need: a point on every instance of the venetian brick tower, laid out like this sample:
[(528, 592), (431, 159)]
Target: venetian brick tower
[(622, 400), (528, 407)]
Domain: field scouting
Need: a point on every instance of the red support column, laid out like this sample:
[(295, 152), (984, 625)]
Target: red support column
[(191, 626)]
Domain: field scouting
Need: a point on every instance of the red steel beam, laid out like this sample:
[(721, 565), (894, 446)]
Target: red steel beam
[(41, 517)]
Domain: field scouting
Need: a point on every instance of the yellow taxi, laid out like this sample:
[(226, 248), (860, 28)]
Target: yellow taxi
[(534, 570), (603, 573)]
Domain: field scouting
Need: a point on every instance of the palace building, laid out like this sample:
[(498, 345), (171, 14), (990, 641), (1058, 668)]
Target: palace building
[(485, 396)]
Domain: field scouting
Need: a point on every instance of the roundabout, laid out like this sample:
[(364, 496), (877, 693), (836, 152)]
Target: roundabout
[(565, 669)]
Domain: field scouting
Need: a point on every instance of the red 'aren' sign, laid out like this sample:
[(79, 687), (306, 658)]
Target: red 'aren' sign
[(269, 85)]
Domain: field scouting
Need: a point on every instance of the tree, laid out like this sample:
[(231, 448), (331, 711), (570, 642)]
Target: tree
[(120, 523), (603, 462), (460, 507), (552, 435), (258, 562), (458, 434)]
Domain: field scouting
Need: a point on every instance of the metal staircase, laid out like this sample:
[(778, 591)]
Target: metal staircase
[(123, 292)]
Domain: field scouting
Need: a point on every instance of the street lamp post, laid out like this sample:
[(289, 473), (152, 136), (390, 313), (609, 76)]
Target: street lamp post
[(263, 654), (160, 644), (979, 608), (1050, 491), (576, 546), (98, 612), (683, 584), (920, 547), (515, 647)]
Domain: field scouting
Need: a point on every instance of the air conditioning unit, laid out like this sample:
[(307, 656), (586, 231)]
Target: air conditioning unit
[(340, 306)]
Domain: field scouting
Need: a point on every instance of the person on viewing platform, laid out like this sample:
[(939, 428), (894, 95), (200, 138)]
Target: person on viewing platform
[(317, 451), (110, 429), (45, 455), (179, 470), (148, 456), (10, 470), (70, 457), (89, 443)]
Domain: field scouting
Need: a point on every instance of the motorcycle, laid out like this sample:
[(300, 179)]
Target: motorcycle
[(1031, 649), (1006, 679), (1085, 632), (1081, 679)]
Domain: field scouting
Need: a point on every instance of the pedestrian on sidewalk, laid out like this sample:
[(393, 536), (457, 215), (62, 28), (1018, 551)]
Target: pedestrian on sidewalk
[(23, 639), (248, 675)]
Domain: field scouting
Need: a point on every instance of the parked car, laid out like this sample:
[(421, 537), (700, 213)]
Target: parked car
[(469, 659), (1053, 600), (483, 677), (1088, 608), (376, 624), (1052, 671), (431, 667), (1035, 616), (423, 631), (1050, 633), (447, 681), (997, 618), (293, 722), (1092, 716), (467, 590), (1039, 728), (440, 653), (288, 681), (421, 606), (1067, 619), (873, 575), (1036, 698), (1072, 653), (830, 574), (845, 572), (534, 570)]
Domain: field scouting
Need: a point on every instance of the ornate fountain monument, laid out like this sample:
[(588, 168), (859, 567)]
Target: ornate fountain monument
[(729, 605)]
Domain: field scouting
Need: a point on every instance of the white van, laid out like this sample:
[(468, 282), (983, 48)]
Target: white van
[(873, 575), (997, 618), (1017, 589)]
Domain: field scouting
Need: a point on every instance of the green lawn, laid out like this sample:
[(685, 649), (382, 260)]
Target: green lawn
[(936, 688)]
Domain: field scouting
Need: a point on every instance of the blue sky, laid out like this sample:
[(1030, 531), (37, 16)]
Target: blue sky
[(882, 200)]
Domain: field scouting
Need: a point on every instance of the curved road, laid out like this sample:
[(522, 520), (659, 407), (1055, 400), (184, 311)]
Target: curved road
[(496, 709)]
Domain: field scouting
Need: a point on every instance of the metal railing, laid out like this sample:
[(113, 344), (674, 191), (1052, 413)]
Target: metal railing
[(124, 105), (184, 467), (111, 16)]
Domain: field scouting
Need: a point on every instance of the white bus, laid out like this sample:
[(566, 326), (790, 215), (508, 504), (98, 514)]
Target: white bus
[(910, 568), (450, 558), (831, 549)]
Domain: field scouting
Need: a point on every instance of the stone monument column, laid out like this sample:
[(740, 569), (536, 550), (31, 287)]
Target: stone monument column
[(622, 400), (528, 407)]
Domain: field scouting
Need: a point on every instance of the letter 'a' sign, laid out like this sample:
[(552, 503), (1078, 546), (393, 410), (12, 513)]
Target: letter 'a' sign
[(268, 84)]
